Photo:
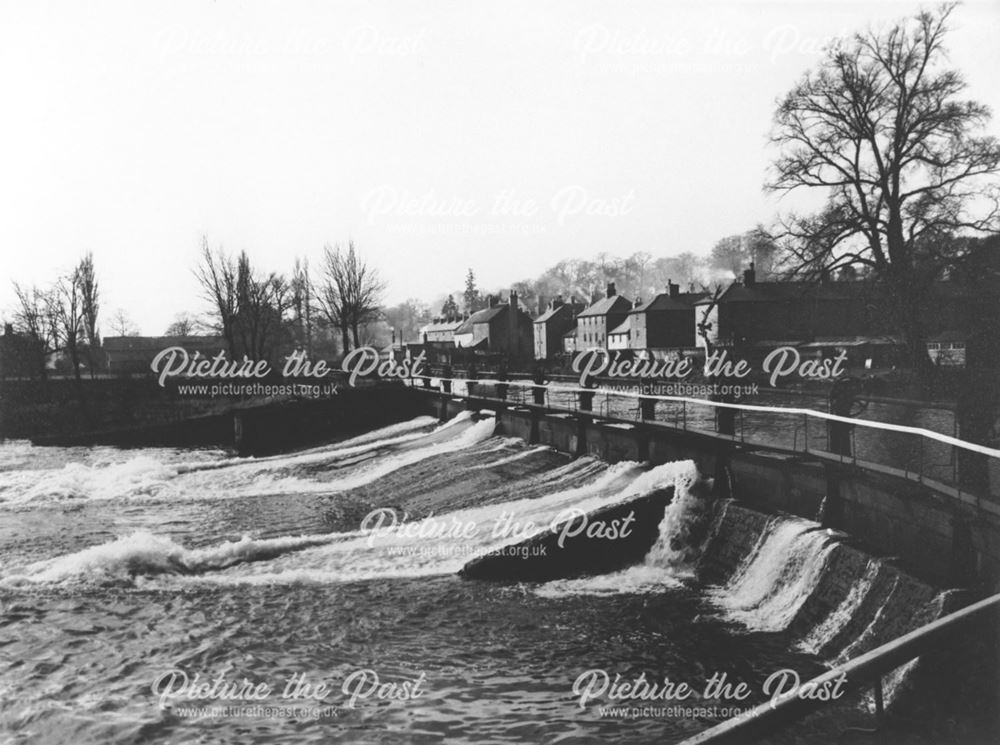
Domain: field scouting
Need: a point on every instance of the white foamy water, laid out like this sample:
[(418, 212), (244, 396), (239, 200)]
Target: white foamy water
[(824, 631), (144, 552), (437, 544), (443, 544), (154, 474), (773, 582), (668, 561)]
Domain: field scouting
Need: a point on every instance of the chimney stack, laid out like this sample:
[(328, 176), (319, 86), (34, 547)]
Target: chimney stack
[(490, 301), (611, 289), (558, 302), (750, 276), (513, 337), (673, 289)]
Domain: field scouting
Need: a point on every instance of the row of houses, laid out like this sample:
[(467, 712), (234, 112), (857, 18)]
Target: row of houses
[(820, 318)]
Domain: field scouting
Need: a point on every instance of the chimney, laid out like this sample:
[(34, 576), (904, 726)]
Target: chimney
[(558, 302), (8, 329), (490, 301), (750, 276), (611, 289), (673, 289), (637, 302), (542, 305), (513, 338)]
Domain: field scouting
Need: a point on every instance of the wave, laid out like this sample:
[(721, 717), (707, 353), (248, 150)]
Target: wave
[(152, 474), (668, 562), (144, 553), (433, 545)]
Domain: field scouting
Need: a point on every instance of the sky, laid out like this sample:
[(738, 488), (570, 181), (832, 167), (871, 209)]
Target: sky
[(437, 135)]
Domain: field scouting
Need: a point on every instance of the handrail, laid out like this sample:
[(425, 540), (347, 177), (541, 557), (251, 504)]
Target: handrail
[(887, 426), (862, 670)]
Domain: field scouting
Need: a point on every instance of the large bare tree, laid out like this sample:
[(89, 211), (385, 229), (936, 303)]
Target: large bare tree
[(350, 292), (217, 275), (883, 128), (33, 318), (86, 278), (249, 306)]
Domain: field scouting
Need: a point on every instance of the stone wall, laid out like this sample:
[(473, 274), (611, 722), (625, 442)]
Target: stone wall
[(943, 538)]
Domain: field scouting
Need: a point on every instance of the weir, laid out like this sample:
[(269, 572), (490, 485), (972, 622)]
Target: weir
[(941, 533), (853, 581)]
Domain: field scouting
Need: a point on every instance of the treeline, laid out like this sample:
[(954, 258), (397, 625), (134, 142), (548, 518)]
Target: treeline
[(639, 275), (264, 314), (62, 316)]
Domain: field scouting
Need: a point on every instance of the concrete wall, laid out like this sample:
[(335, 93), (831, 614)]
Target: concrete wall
[(939, 537)]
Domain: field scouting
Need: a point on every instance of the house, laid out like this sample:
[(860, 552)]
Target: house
[(551, 327), (755, 313), (500, 328), (665, 322), (440, 331), (619, 337), (134, 354), (21, 355), (569, 341), (947, 348), (594, 323), (436, 342)]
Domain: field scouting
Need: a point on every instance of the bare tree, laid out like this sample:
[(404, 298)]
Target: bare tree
[(262, 302), (33, 318), (86, 278), (217, 275), (184, 324), (881, 126), (249, 307), (122, 323), (65, 312), (350, 292), (302, 304), (89, 298)]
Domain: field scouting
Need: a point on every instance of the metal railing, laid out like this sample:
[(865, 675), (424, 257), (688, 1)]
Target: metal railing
[(921, 455), (857, 675)]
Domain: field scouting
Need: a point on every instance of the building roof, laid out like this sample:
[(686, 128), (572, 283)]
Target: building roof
[(613, 304), (550, 314), (663, 301), (440, 326), (570, 333), (622, 328), (480, 316), (950, 335), (570, 307), (156, 343), (769, 292)]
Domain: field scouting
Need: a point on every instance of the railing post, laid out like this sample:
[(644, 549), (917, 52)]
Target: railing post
[(647, 408)]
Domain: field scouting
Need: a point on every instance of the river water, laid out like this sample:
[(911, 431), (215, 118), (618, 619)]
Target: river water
[(129, 577)]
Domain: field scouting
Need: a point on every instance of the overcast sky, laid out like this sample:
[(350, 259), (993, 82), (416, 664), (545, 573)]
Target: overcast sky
[(439, 135)]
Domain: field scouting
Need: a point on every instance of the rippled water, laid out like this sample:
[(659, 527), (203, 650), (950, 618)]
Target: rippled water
[(119, 566)]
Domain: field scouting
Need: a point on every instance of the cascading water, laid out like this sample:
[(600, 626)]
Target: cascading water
[(210, 561), (774, 581)]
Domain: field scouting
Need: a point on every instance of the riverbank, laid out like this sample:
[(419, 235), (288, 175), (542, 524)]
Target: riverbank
[(137, 412)]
